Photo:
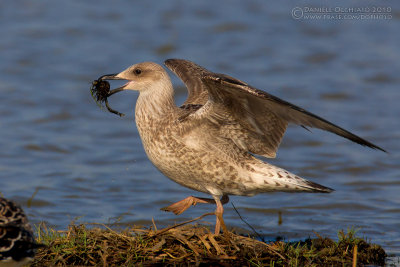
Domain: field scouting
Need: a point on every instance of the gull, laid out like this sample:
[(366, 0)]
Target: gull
[(17, 243), (210, 143)]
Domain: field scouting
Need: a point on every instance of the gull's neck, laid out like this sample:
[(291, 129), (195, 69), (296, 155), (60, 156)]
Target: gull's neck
[(156, 101)]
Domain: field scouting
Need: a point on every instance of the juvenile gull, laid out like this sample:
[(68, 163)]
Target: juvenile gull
[(17, 242), (208, 143)]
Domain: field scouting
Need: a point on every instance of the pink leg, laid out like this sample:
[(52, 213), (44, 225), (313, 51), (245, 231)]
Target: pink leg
[(184, 204), (219, 214)]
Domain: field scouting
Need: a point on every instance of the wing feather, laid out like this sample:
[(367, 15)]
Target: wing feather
[(190, 74), (262, 102), (252, 119)]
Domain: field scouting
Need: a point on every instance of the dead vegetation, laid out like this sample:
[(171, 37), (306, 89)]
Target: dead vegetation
[(195, 245)]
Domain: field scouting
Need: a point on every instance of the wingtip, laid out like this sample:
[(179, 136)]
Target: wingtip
[(379, 148), (370, 145)]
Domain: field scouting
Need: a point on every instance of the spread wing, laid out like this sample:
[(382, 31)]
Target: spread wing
[(190, 74), (253, 119)]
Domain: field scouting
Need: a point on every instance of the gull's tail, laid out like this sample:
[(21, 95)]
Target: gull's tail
[(269, 178)]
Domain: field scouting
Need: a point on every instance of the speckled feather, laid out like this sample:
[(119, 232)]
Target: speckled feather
[(208, 143)]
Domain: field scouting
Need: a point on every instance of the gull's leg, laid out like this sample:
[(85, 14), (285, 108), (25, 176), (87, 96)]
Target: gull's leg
[(219, 214), (184, 204)]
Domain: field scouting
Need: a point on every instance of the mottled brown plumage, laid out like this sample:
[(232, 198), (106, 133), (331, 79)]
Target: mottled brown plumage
[(208, 143)]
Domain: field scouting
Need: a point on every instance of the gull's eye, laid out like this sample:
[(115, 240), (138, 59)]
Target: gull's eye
[(137, 71)]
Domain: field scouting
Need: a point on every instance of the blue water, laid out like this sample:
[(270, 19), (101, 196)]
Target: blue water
[(86, 165)]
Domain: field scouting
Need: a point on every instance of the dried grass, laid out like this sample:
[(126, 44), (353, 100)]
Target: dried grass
[(194, 245)]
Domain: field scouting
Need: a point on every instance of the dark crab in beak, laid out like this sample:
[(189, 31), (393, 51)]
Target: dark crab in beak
[(100, 91)]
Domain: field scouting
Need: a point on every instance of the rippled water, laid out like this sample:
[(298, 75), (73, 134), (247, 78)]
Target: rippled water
[(87, 165)]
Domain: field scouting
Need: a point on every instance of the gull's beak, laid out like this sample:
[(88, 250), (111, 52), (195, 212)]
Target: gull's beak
[(110, 77), (113, 77)]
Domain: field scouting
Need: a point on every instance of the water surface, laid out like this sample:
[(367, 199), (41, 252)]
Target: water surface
[(87, 165)]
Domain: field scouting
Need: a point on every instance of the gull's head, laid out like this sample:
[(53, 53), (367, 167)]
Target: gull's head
[(140, 77)]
